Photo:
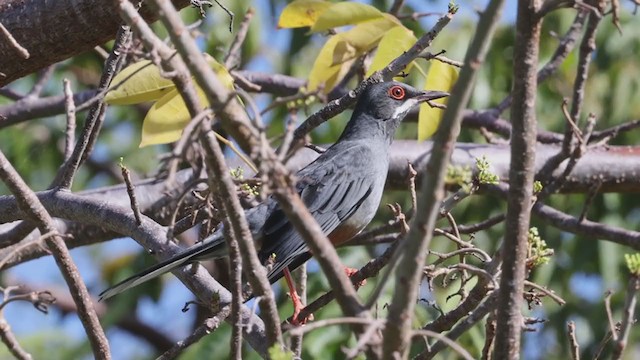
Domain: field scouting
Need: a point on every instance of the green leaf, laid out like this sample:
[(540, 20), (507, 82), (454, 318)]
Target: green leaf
[(393, 43), (278, 353), (301, 13), (137, 83), (345, 13), (633, 263), (441, 77)]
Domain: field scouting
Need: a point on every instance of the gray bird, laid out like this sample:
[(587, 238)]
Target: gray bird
[(342, 189)]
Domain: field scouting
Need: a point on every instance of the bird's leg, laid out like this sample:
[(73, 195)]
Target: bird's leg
[(350, 271), (295, 299)]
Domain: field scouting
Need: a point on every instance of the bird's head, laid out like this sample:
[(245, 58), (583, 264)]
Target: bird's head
[(382, 106)]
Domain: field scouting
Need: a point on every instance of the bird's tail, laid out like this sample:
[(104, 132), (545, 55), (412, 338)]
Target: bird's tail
[(212, 248)]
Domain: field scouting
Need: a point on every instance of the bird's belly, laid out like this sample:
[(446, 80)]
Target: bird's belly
[(358, 221)]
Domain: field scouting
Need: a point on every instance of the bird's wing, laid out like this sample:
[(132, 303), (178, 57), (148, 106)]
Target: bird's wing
[(332, 189)]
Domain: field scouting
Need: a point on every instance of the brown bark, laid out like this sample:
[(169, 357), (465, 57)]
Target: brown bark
[(52, 31)]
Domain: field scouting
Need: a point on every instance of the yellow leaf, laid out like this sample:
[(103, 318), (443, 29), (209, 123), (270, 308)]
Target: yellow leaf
[(301, 13), (343, 51), (220, 70), (441, 77), (345, 13), (324, 72), (365, 36), (167, 118), (394, 42), (142, 82), (333, 60)]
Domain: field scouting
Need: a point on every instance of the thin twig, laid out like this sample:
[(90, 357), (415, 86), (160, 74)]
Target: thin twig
[(417, 15), (566, 45), (587, 47), (187, 139), (614, 131), (43, 76), (471, 251), (300, 277), (232, 60), (607, 307), (483, 225), (627, 317), (591, 195), (392, 254), (396, 6), (10, 93), (440, 57), (299, 330), (229, 13), (574, 347), (490, 336), (95, 117), (206, 328), (371, 269), (587, 228), (126, 175), (486, 304), (445, 340), (235, 275), (70, 107), (188, 189), (560, 301), (290, 126), (11, 342), (366, 338), (22, 52), (37, 242), (411, 180)]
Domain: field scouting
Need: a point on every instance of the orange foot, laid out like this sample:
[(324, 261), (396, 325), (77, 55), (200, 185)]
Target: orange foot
[(350, 271), (297, 303)]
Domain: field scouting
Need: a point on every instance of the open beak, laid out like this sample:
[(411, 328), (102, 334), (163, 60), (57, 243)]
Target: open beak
[(430, 95)]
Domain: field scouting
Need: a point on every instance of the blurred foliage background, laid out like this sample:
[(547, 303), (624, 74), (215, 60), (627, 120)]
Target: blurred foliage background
[(580, 272)]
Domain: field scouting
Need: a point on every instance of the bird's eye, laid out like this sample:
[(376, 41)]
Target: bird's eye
[(397, 92)]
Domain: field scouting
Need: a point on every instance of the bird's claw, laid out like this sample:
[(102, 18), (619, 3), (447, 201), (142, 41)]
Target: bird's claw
[(350, 272), (297, 308)]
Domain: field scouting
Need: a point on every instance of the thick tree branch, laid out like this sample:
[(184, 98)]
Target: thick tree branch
[(613, 165), (398, 328), (521, 174), (80, 25), (151, 236), (28, 202)]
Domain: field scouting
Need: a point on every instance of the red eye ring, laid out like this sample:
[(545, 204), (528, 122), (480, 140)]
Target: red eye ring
[(397, 92)]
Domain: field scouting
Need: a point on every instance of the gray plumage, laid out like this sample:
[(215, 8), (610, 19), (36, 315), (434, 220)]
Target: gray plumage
[(342, 188)]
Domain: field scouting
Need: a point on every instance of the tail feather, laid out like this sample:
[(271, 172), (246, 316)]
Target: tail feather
[(209, 249)]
